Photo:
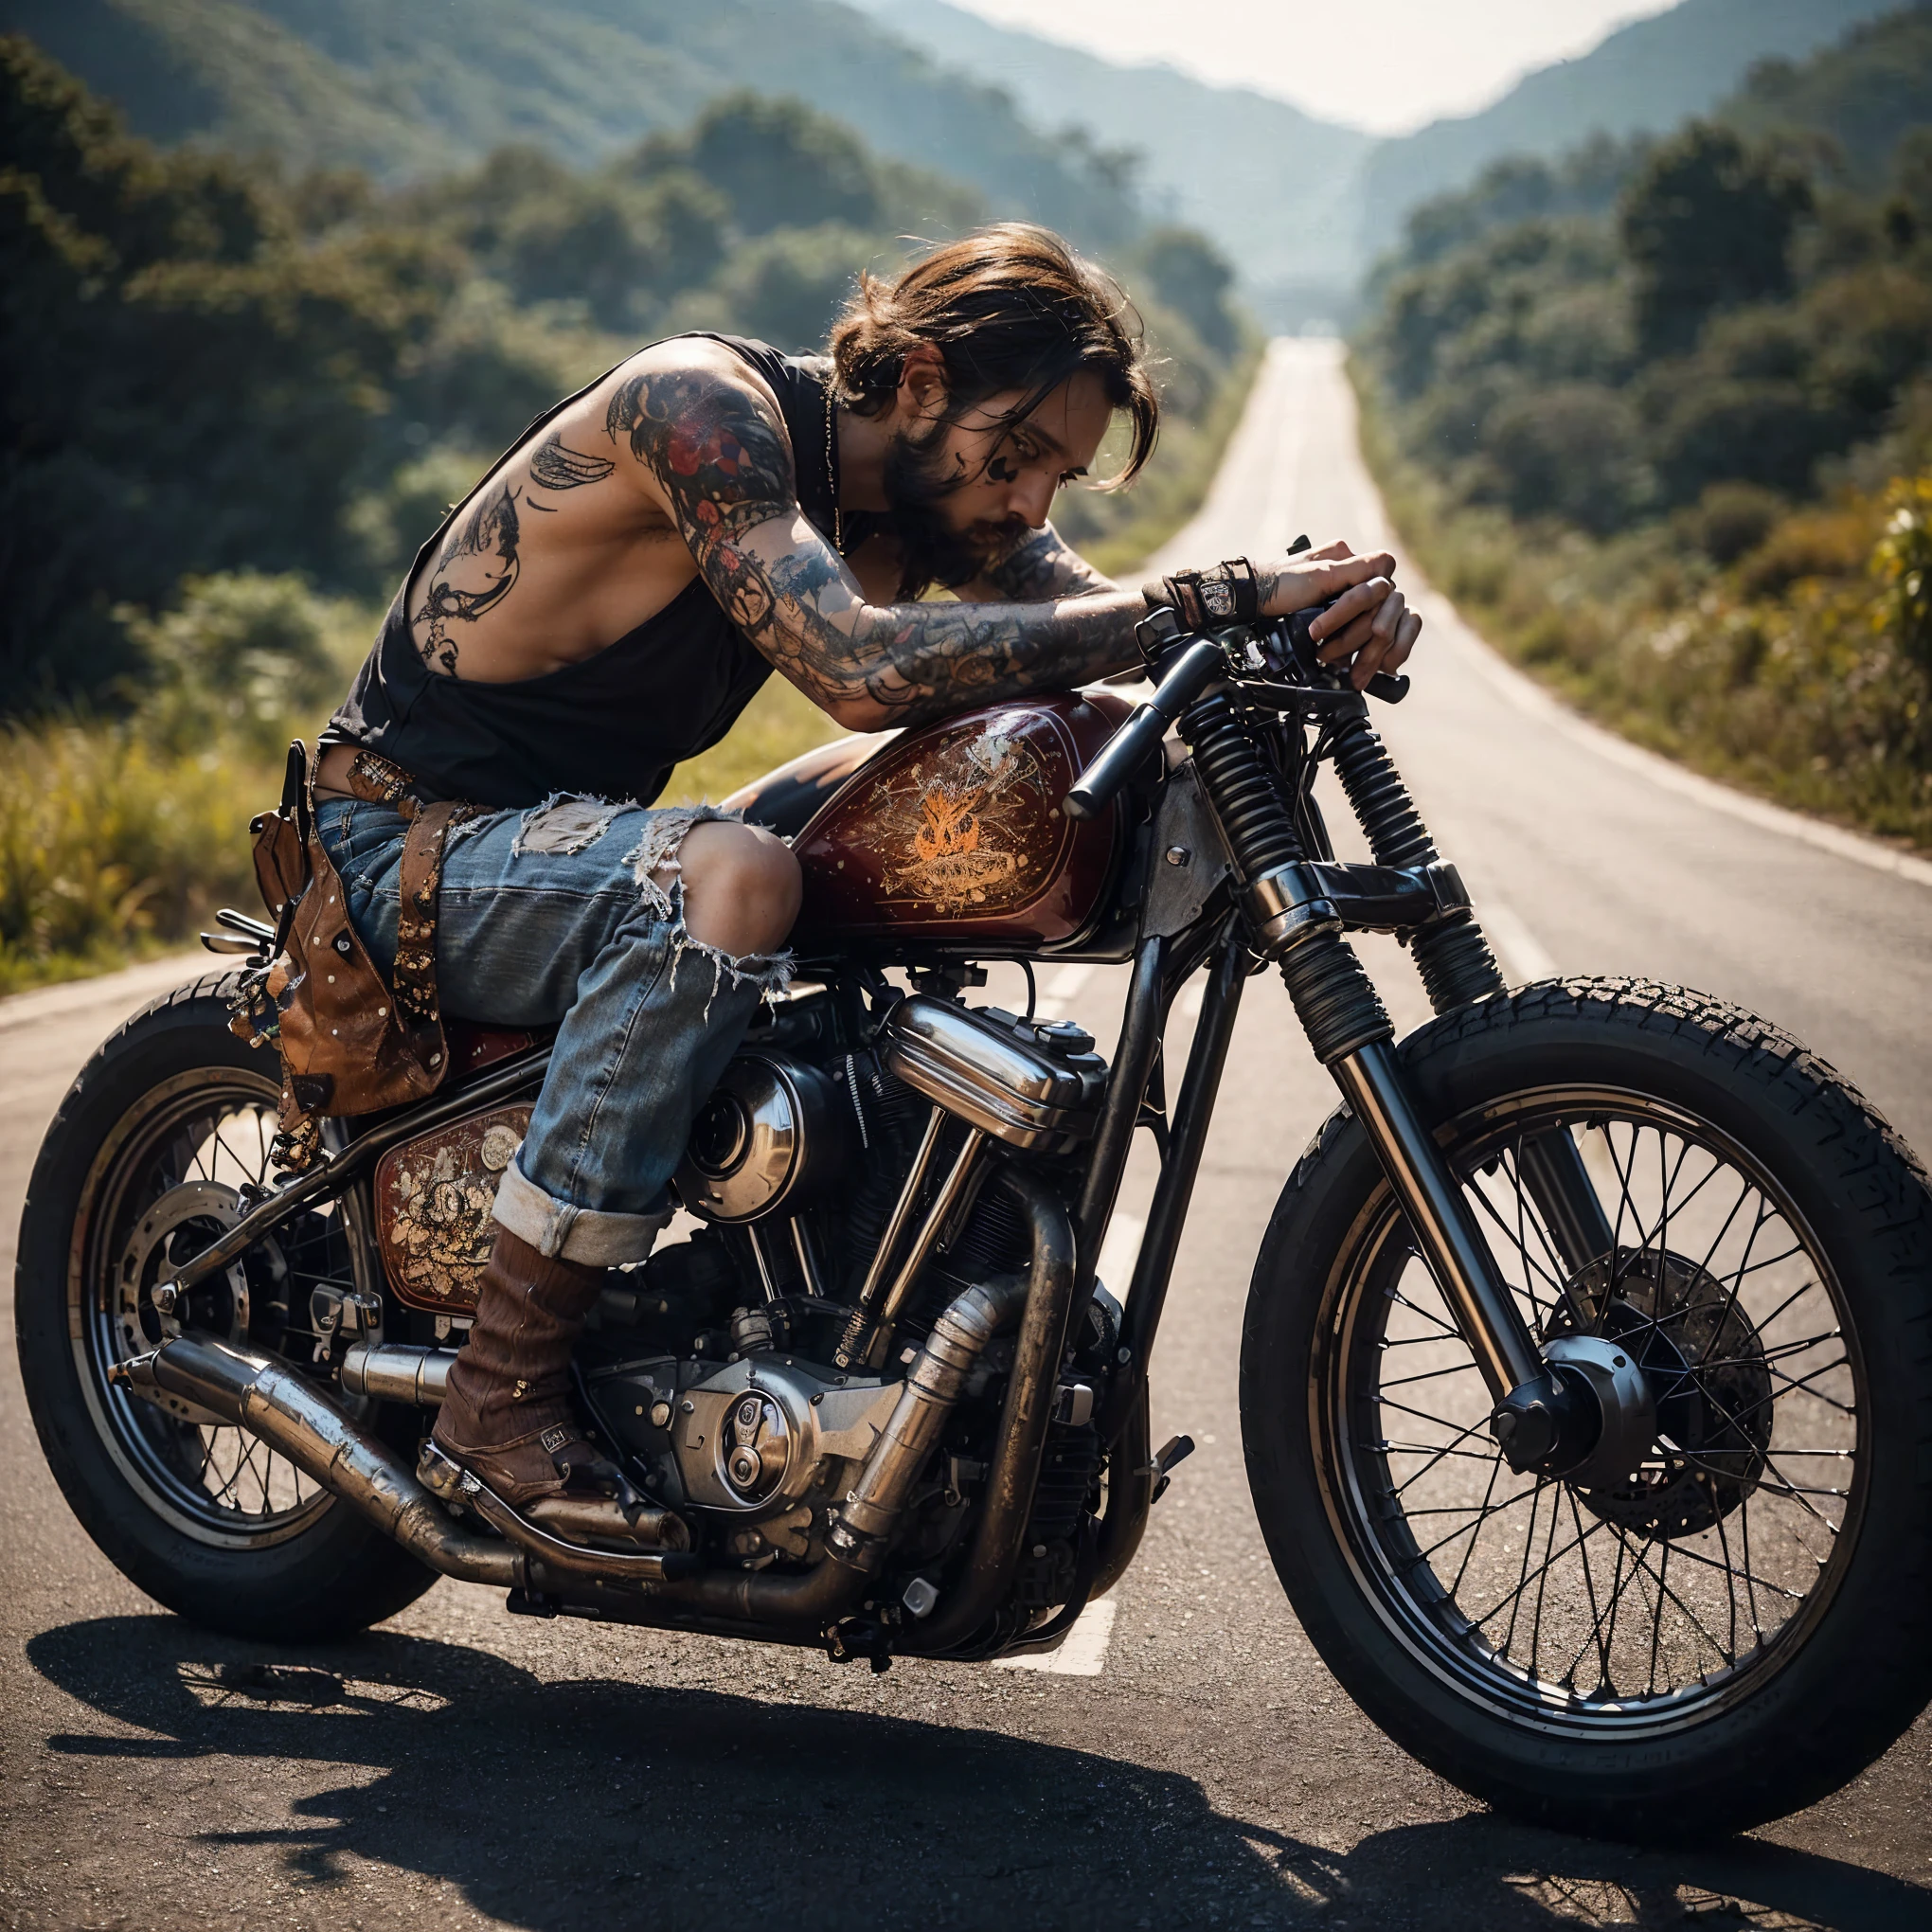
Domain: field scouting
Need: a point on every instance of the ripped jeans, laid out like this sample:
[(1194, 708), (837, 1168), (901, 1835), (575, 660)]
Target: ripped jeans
[(552, 917)]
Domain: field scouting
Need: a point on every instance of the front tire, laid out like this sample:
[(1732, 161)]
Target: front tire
[(1745, 1622), (154, 1150)]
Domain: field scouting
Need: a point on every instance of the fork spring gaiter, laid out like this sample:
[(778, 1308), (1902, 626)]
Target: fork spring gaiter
[(1260, 833), (1334, 998), (1454, 958)]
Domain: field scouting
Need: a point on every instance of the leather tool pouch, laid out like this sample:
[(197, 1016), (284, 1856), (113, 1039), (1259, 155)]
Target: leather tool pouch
[(350, 1043)]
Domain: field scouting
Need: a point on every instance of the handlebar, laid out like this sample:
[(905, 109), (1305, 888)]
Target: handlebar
[(1186, 676), (1391, 686), (1200, 665)]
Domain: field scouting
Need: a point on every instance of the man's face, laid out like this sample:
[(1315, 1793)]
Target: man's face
[(962, 493)]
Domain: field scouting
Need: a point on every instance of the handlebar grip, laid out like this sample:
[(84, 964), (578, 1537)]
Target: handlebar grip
[(1186, 677), (1391, 686)]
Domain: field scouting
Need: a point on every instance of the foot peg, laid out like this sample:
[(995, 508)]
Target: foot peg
[(1175, 1449)]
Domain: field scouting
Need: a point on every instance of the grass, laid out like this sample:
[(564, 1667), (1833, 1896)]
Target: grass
[(1801, 671)]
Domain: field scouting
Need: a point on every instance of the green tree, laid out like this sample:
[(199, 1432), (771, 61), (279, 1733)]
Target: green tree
[(1567, 451), (1708, 223), (185, 387), (781, 165), (785, 287), (1189, 278)]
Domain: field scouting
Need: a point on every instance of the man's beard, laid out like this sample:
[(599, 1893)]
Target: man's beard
[(918, 482)]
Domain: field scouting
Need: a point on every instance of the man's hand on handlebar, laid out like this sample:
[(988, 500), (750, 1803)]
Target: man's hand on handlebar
[(1370, 622)]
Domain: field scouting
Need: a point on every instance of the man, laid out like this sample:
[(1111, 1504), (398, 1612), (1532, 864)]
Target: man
[(605, 604)]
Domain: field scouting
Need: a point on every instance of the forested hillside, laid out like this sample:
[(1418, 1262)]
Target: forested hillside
[(236, 398), (1274, 188), (1303, 205), (1662, 414), (1300, 205), (400, 88), (1643, 78)]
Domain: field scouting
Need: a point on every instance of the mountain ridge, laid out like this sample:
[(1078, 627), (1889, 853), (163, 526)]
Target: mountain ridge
[(1644, 79), (1226, 160), (1301, 207), (1352, 191)]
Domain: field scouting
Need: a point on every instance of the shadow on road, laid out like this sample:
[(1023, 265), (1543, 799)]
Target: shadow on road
[(551, 1805)]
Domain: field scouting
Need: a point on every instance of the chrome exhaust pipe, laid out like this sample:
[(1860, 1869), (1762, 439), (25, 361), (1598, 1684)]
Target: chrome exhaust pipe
[(390, 1372), (271, 1400)]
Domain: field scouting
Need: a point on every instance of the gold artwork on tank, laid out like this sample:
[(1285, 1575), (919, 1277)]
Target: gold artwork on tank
[(953, 828)]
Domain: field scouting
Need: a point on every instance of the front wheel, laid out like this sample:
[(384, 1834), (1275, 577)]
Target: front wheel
[(1734, 1627)]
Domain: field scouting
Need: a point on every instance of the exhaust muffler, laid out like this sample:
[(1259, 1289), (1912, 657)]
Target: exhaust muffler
[(270, 1400)]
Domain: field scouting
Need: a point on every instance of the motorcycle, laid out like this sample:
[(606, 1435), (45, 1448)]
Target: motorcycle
[(1584, 1374)]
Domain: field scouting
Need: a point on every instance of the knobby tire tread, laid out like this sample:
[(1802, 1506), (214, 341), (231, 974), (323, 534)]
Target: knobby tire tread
[(1887, 1192)]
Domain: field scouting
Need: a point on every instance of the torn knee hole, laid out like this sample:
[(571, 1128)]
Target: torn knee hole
[(653, 860)]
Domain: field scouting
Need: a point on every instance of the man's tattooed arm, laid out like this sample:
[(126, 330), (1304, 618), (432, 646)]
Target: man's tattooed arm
[(1039, 565), (718, 455)]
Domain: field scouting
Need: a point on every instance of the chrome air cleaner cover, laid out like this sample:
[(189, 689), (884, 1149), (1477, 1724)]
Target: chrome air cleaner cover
[(1032, 1084)]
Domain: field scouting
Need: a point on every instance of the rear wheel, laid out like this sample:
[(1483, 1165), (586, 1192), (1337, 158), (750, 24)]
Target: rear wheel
[(1742, 1621), (158, 1149)]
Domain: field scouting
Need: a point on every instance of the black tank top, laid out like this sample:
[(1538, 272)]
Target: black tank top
[(614, 725)]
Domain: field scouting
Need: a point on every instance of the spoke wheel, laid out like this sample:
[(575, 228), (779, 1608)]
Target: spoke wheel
[(1637, 1605), (175, 1175), (159, 1146), (1735, 1621)]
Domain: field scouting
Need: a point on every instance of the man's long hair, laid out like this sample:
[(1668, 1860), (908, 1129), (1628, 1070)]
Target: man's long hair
[(1011, 308)]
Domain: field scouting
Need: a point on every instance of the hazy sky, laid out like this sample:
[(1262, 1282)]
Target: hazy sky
[(1387, 65)]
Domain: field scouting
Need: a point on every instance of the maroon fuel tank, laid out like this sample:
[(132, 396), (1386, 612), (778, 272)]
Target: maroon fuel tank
[(955, 832)]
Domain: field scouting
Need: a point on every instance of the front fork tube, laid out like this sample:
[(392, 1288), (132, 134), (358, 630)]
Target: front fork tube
[(1458, 968), (1538, 1421), (1554, 1173)]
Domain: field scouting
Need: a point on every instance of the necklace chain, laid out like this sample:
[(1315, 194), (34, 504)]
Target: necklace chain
[(832, 475)]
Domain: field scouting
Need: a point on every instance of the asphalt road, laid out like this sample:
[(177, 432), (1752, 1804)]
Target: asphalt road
[(1188, 1761)]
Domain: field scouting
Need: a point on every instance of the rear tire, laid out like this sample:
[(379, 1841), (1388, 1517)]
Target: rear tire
[(299, 1567), (1363, 1426)]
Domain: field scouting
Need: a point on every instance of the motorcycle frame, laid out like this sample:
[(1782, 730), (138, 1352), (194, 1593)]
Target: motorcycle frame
[(1216, 932)]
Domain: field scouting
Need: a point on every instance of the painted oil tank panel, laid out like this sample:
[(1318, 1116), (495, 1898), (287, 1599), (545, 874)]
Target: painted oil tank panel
[(955, 832)]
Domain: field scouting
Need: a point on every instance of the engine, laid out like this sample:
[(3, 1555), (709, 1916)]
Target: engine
[(749, 1371)]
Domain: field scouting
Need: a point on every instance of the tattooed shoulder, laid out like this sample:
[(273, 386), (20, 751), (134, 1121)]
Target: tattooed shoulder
[(554, 465), (717, 448)]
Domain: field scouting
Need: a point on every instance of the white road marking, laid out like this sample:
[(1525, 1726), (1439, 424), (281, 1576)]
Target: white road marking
[(1524, 956), (1064, 988), (1118, 1250), (1084, 1653)]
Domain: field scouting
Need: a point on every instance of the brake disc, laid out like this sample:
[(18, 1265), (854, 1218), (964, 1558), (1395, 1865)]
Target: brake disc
[(1705, 1364), (179, 1225)]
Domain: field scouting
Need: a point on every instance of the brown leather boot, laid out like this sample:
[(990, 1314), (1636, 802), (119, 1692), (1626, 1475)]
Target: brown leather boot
[(507, 1416)]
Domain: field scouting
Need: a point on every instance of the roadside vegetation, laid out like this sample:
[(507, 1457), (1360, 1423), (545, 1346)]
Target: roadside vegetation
[(1659, 419), (239, 400)]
